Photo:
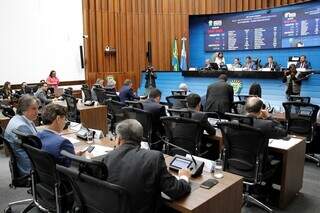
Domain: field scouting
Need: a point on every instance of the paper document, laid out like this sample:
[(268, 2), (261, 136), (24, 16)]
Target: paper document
[(284, 144), (71, 139), (100, 150), (208, 164)]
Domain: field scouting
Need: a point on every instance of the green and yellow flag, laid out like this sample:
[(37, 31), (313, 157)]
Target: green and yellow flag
[(175, 60)]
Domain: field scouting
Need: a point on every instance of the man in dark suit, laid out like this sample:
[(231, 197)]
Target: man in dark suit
[(126, 92), (219, 96), (41, 94), (262, 120), (207, 144), (152, 105), (194, 105), (303, 63), (272, 64), (142, 172), (54, 117)]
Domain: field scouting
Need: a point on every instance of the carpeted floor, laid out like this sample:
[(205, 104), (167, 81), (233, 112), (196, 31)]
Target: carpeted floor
[(308, 201)]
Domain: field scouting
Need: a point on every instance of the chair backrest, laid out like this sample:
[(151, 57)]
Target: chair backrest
[(135, 104), (16, 179), (144, 117), (87, 92), (243, 119), (245, 150), (28, 139), (238, 107), (177, 101), (180, 113), (90, 167), (101, 95), (7, 111), (183, 132), (72, 107), (299, 99), (243, 97), (93, 195), (114, 108), (68, 91), (301, 117), (178, 92)]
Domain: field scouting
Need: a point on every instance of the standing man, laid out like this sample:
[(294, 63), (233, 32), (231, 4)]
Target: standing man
[(219, 96), (150, 77), (27, 113), (293, 81)]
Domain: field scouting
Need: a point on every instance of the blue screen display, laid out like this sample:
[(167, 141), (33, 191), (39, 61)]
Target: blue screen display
[(251, 31)]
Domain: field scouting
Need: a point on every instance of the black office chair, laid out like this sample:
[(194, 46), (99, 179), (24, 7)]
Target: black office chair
[(115, 113), (73, 112), (179, 92), (185, 113), (301, 119), (93, 195), (68, 91), (87, 92), (7, 111), (135, 104), (246, 154), (144, 118), (300, 99), (213, 118), (243, 119), (177, 101), (90, 167), (185, 133), (16, 179), (238, 107), (103, 96), (243, 97)]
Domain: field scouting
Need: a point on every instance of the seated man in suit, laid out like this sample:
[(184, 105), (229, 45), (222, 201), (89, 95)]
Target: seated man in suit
[(249, 65), (41, 94), (303, 63), (54, 116), (272, 64), (142, 172), (262, 119), (207, 143), (27, 113), (194, 105), (126, 92), (152, 105)]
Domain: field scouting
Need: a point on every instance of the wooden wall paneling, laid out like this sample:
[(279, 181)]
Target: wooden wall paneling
[(135, 46), (252, 5), (245, 5), (258, 4), (209, 6), (227, 6), (233, 5), (129, 32), (278, 3), (142, 46), (239, 5)]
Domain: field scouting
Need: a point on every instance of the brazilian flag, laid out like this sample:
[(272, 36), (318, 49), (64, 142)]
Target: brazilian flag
[(175, 60)]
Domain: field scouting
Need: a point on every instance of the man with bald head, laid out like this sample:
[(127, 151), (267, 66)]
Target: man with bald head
[(262, 120), (142, 172)]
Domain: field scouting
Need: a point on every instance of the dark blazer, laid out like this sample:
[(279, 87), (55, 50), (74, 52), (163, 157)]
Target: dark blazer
[(270, 127), (42, 96), (144, 174), (54, 144), (306, 65), (274, 66), (203, 118), (150, 79), (157, 110), (126, 94), (219, 97)]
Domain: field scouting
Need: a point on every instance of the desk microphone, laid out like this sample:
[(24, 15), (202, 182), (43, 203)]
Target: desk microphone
[(198, 166)]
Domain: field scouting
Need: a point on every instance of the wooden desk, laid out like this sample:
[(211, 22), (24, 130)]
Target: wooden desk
[(225, 197), (94, 117), (292, 154)]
